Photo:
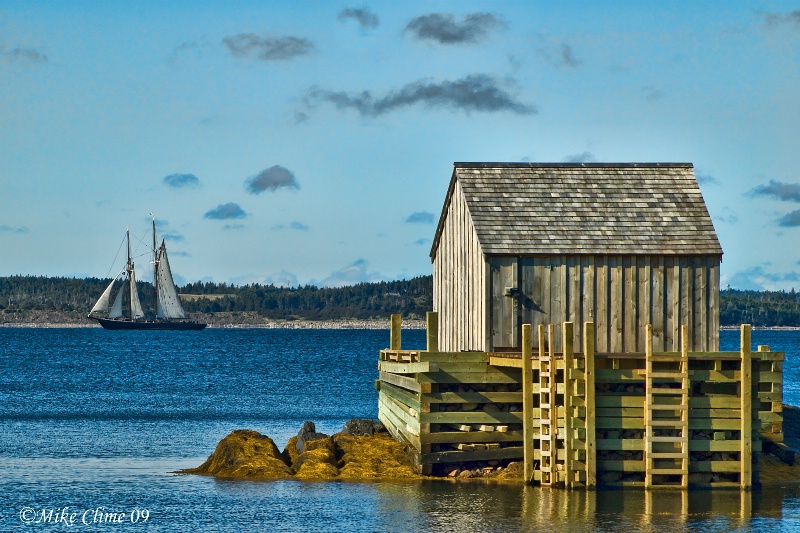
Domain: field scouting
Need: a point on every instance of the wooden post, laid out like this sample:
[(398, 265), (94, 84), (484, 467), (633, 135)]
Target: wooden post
[(432, 319), (527, 401), (569, 353), (686, 388), (591, 455), (394, 339), (648, 407), (747, 410)]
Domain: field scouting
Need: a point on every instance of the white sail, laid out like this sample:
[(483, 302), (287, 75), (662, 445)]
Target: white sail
[(116, 309), (169, 305), (136, 306), (102, 304)]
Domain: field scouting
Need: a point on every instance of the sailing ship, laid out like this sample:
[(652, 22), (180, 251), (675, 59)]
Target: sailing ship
[(169, 311)]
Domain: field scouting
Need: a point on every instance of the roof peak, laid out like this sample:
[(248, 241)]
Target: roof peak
[(459, 164)]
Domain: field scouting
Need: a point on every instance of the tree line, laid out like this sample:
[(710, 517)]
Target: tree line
[(75, 297)]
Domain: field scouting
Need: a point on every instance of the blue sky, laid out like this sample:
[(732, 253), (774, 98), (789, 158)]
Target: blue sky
[(312, 142)]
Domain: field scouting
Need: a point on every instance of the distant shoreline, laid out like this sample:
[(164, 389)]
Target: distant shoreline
[(355, 323), (300, 324)]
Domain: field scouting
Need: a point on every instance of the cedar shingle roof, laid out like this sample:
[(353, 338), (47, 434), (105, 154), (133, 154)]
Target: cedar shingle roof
[(584, 208)]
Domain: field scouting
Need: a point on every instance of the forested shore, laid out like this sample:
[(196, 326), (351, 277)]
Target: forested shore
[(66, 301)]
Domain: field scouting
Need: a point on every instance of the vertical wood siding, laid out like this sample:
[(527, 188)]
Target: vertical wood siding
[(620, 294), (460, 280)]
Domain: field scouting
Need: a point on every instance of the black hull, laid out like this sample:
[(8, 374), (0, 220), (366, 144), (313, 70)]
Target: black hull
[(109, 323)]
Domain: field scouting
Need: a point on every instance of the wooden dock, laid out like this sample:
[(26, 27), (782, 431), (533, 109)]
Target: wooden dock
[(581, 419)]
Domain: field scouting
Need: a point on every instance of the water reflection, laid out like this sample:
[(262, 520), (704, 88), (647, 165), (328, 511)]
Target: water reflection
[(472, 507)]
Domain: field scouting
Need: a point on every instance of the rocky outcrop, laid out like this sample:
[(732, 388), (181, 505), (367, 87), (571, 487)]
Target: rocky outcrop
[(247, 454), (364, 428)]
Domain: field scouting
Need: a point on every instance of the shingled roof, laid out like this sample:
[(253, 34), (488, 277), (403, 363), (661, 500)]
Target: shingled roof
[(584, 208)]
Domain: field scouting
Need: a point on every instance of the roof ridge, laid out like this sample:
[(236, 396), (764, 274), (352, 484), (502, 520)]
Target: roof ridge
[(462, 164)]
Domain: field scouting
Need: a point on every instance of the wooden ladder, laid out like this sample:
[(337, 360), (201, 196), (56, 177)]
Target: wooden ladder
[(548, 427), (666, 456)]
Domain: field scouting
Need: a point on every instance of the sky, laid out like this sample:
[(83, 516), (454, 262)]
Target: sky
[(308, 142)]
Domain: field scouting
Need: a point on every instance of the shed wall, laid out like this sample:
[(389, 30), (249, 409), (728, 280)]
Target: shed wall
[(460, 289), (621, 294)]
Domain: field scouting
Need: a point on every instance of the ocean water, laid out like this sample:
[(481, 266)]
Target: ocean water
[(93, 425)]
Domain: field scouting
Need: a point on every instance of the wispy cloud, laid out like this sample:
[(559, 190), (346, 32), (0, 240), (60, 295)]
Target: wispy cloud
[(365, 18), (185, 48), (583, 157), (778, 19), (294, 225), (420, 217), (728, 216), (227, 211), (790, 220), (175, 237), (266, 48), (284, 278), (477, 92), (23, 55), (782, 191), (181, 181), (758, 278), (357, 272), (562, 56), (443, 28), (652, 94), (271, 179), (423, 242), (5, 228), (706, 179)]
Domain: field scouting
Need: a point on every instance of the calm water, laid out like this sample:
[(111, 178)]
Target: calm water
[(94, 419)]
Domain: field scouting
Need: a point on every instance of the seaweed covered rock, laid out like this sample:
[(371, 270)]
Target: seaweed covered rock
[(373, 457), (318, 461), (245, 454)]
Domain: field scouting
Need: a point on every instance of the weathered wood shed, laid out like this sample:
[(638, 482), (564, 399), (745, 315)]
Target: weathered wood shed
[(622, 245)]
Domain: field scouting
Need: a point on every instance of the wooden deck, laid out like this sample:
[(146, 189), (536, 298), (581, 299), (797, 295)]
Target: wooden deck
[(652, 419)]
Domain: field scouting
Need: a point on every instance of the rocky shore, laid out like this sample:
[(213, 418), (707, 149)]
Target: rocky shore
[(55, 319), (364, 451)]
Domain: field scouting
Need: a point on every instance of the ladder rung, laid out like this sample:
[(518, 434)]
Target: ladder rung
[(667, 358), (669, 471), (666, 391), (668, 439), (668, 423), (665, 374), (659, 407), (667, 455)]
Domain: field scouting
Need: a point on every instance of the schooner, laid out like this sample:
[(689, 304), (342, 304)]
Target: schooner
[(169, 311)]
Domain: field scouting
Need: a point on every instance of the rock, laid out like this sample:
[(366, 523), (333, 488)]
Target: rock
[(465, 474), (308, 433), (364, 428), (244, 454), (375, 457), (454, 473), (318, 461)]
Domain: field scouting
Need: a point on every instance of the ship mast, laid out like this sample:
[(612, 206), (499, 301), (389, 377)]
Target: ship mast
[(155, 263), (130, 269)]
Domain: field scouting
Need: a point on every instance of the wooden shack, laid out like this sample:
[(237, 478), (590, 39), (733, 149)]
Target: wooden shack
[(620, 245)]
